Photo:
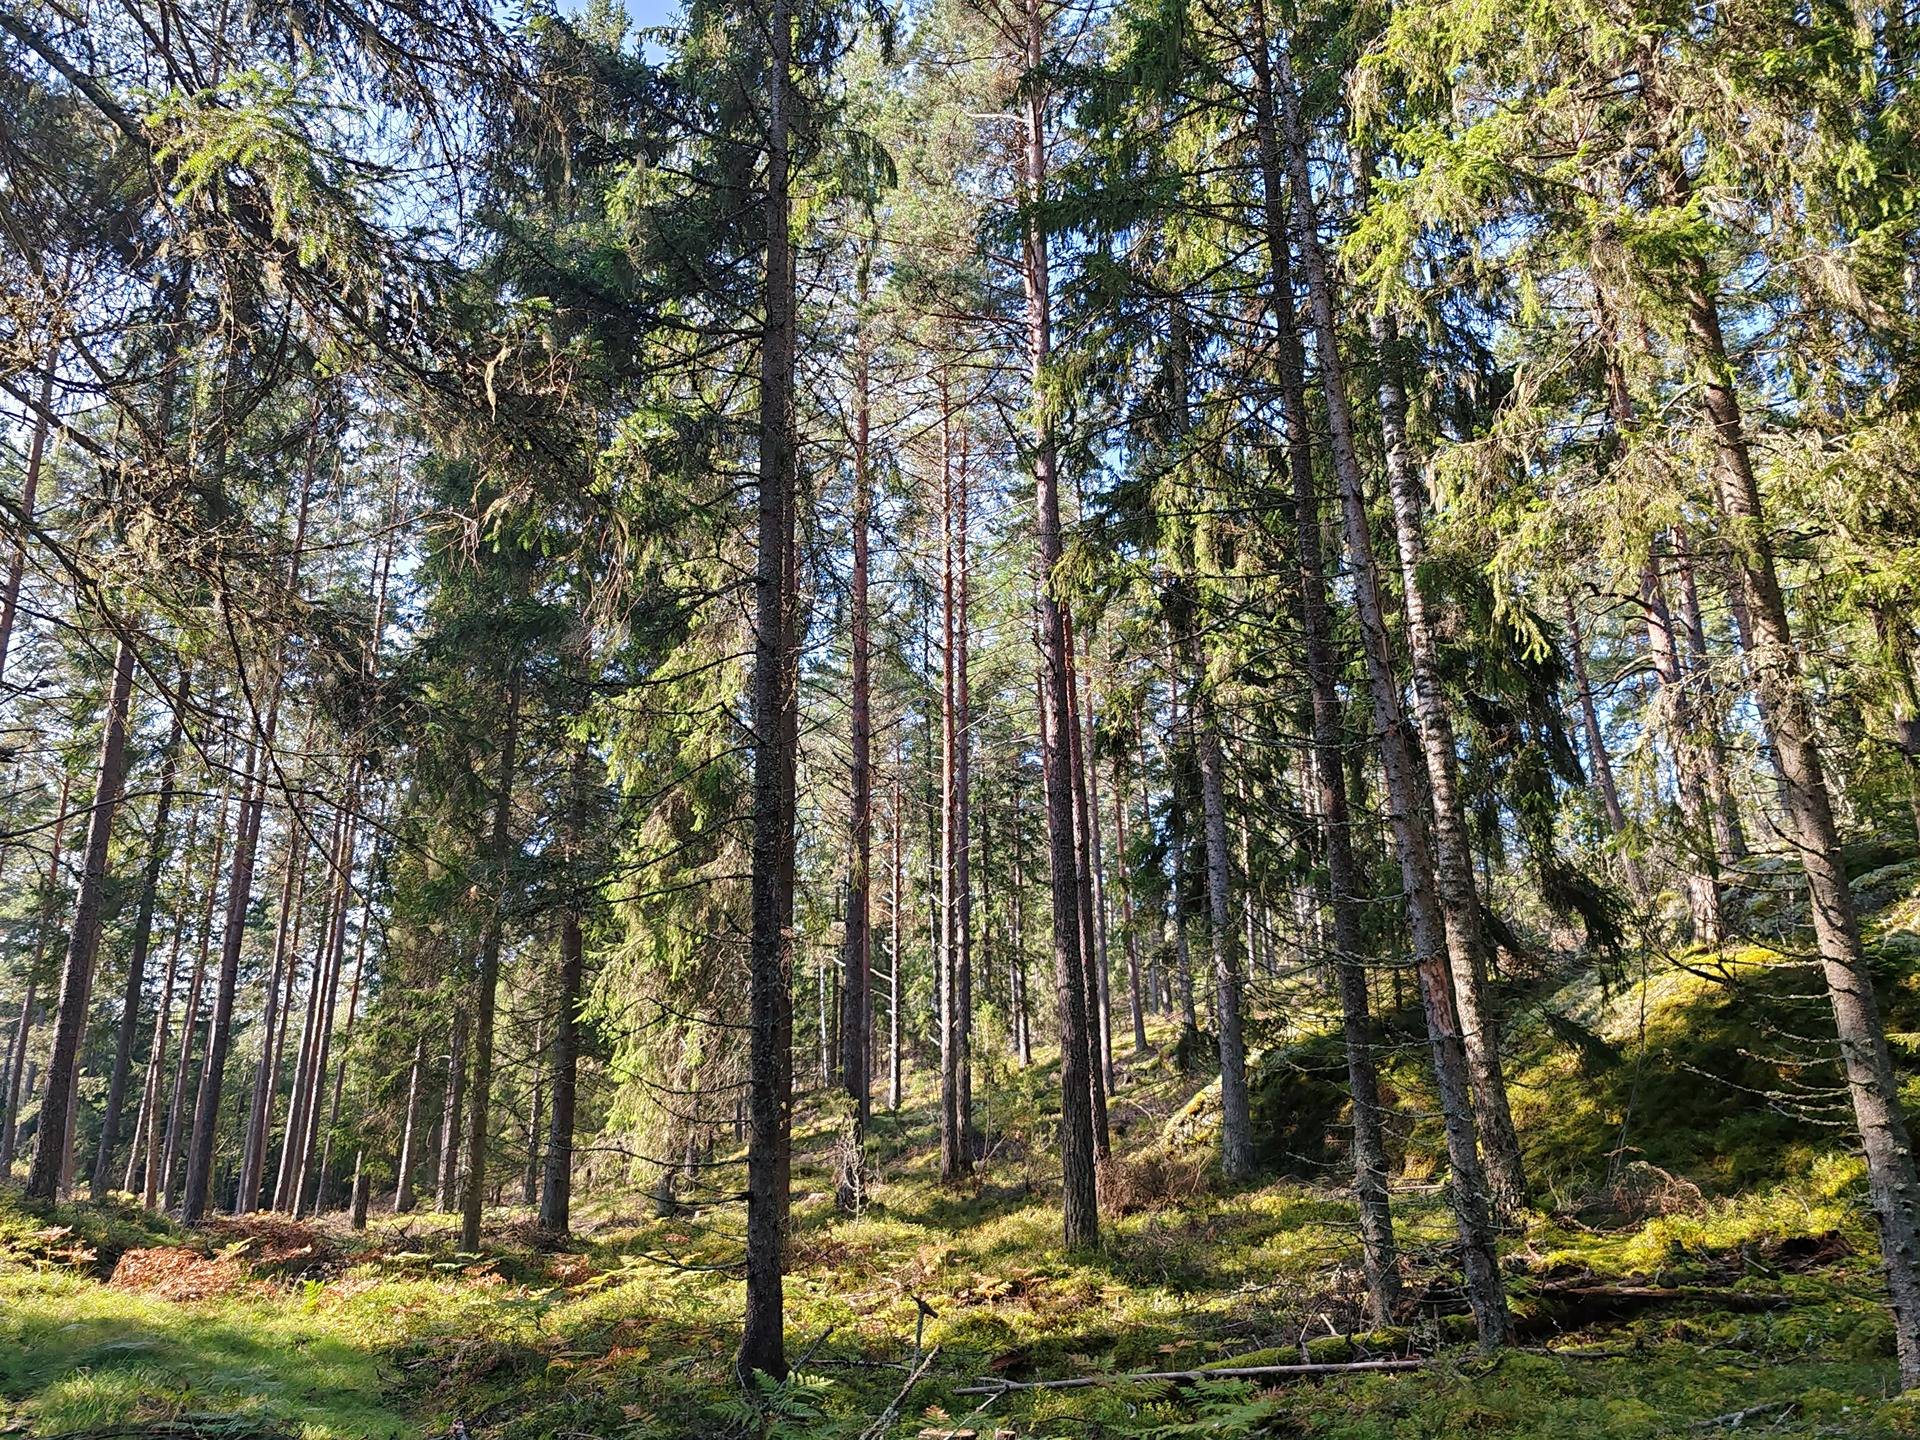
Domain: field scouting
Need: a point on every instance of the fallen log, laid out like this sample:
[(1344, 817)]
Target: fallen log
[(990, 1386)]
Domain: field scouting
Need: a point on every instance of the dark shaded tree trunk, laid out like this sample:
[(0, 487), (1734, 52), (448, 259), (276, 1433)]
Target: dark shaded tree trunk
[(266, 1072), (50, 1156), (137, 955), (954, 1156), (452, 1108), (556, 1184), (18, 1084), (770, 1001), (29, 496), (1135, 1008), (486, 989), (1079, 1206), (893, 917), (162, 1159), (1083, 826)]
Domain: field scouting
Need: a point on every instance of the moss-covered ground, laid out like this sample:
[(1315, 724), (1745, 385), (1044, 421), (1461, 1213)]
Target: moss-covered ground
[(1675, 1127)]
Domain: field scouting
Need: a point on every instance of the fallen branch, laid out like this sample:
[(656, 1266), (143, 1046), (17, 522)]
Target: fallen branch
[(1224, 1372), (892, 1412)]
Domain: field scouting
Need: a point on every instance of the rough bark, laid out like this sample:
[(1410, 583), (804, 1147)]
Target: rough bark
[(770, 1015), (1080, 1214), (1466, 1179), (83, 941), (452, 1108), (1782, 692), (857, 953), (142, 941), (162, 1159), (1452, 853), (1135, 1008), (556, 1185), (486, 988)]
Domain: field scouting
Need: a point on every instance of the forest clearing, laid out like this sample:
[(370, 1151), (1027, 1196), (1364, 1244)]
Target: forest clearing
[(977, 719)]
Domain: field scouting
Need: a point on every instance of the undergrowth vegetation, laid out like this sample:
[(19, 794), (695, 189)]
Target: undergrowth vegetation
[(1700, 1263)]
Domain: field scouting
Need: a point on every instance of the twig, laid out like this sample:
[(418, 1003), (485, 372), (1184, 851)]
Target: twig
[(1225, 1372), (892, 1412)]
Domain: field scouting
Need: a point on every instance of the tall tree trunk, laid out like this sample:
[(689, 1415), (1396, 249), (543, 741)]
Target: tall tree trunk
[(1096, 863), (137, 953), (83, 942), (266, 1072), (953, 1144), (337, 860), (1135, 1008), (770, 1091), (893, 949), (1079, 1207), (1706, 904), (1017, 940), (162, 1160), (1782, 693), (530, 1180), (486, 989), (17, 1082), (1466, 1180), (1236, 1122), (346, 1041), (404, 1163), (556, 1186), (1083, 826), (856, 1066), (1452, 854), (1729, 836), (453, 1101), (29, 493), (962, 821)]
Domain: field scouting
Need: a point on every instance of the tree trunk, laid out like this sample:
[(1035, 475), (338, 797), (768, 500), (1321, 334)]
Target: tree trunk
[(162, 1159), (1135, 1008), (137, 957), (1080, 1213), (962, 823), (1781, 690), (556, 1186), (1083, 826), (266, 1073), (1466, 1180), (453, 1101), (403, 1163), (1096, 862), (1236, 1123), (1598, 761), (1700, 858), (857, 995), (486, 988), (893, 972), (320, 990), (29, 493), (770, 1013), (83, 942), (1452, 855), (953, 1146), (18, 1085)]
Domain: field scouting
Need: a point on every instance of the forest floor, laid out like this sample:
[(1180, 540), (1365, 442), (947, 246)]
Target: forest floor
[(1741, 1300)]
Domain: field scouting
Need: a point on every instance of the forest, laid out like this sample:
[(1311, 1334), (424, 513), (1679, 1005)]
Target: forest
[(977, 719)]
